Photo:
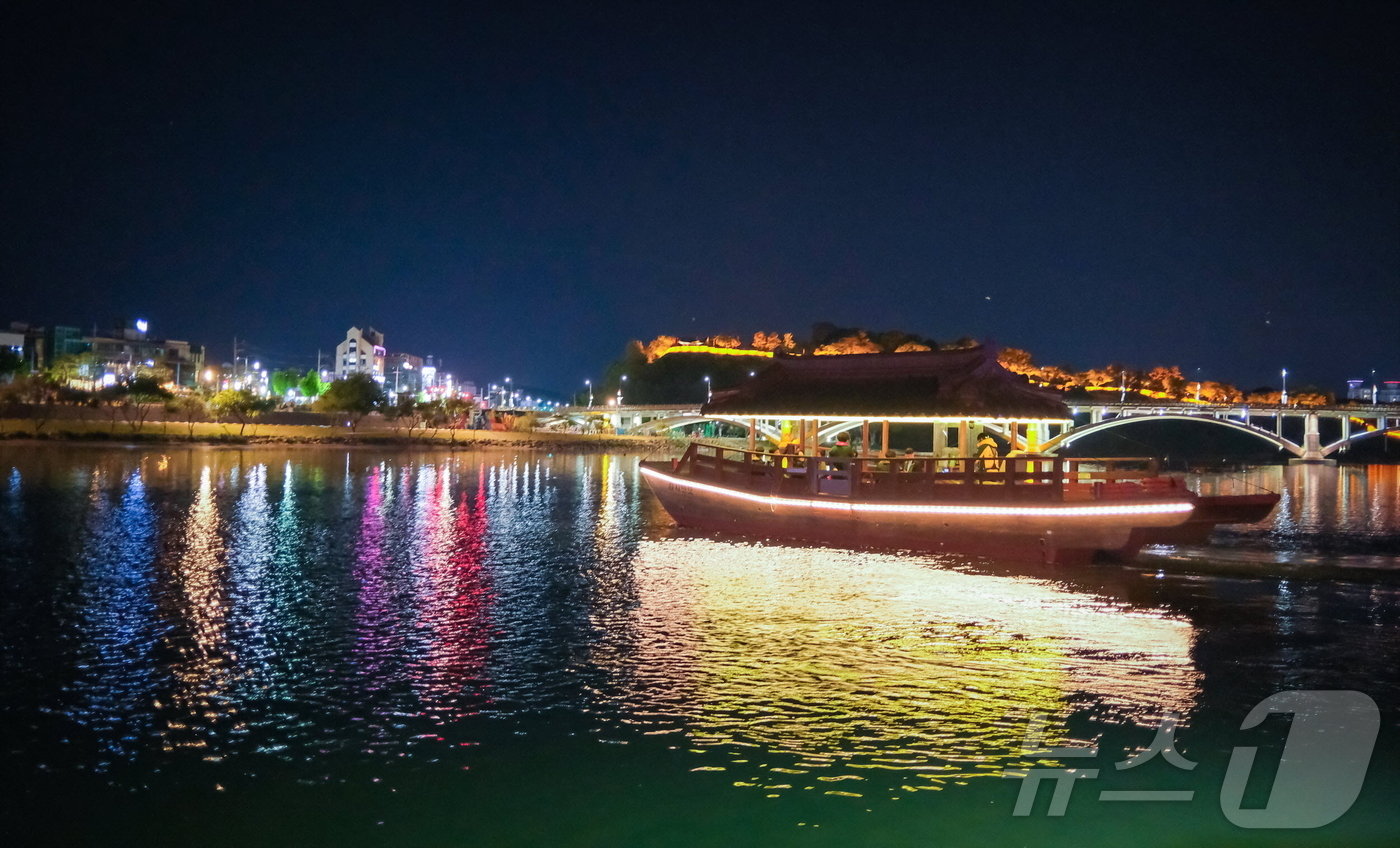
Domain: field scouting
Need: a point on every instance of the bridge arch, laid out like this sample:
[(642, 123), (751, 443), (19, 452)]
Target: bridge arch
[(660, 425), (1077, 433), (1342, 444)]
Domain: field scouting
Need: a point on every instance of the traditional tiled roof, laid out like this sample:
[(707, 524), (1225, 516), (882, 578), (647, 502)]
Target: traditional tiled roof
[(940, 383)]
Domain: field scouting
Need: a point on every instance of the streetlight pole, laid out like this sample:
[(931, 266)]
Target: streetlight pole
[(1284, 397), (1198, 385), (506, 398), (1374, 387), (620, 386), (589, 384), (709, 395)]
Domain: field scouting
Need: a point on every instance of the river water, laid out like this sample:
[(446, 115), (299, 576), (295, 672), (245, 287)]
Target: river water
[(310, 646)]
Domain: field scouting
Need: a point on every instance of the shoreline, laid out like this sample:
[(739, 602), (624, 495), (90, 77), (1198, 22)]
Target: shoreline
[(464, 440)]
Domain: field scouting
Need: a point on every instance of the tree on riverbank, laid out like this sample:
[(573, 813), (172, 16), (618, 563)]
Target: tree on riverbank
[(354, 397), (241, 405), (191, 409), (138, 399), (41, 395)]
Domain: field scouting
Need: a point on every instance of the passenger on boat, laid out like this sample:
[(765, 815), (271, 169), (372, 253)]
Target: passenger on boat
[(988, 454), (886, 462), (911, 461), (842, 451), (788, 445)]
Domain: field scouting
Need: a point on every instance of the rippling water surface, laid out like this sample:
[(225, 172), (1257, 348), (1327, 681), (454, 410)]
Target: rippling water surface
[(288, 647)]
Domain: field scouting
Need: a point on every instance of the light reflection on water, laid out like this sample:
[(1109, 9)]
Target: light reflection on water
[(831, 663), (209, 615)]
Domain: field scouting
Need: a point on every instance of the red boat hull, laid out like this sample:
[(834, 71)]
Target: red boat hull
[(1210, 511), (1056, 533)]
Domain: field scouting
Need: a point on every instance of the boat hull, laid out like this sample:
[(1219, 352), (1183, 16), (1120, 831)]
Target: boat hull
[(1051, 533), (1212, 510)]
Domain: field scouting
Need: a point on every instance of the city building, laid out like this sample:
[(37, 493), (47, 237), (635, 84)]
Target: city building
[(1372, 391), (60, 342), (12, 341), (130, 351), (362, 352), (404, 373)]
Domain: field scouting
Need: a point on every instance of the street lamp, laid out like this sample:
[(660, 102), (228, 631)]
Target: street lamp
[(1283, 399), (589, 384), (709, 395), (1198, 385), (622, 385), (1374, 387)]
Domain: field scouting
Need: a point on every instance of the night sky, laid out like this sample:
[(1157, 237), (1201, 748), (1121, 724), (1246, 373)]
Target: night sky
[(519, 189)]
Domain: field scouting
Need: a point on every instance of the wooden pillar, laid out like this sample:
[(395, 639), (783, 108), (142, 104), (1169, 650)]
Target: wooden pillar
[(865, 438), (884, 436), (802, 435), (753, 434), (964, 437), (1013, 430)]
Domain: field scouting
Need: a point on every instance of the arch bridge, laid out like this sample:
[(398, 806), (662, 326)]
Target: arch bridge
[(1356, 423)]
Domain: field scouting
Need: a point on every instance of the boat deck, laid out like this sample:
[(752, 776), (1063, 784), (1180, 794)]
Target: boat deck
[(921, 479)]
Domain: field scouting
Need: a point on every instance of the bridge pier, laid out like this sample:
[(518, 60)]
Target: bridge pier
[(1312, 442)]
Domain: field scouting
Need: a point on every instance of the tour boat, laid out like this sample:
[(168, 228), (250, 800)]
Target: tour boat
[(1021, 506)]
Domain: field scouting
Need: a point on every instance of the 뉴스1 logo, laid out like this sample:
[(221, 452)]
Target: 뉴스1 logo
[(1320, 775)]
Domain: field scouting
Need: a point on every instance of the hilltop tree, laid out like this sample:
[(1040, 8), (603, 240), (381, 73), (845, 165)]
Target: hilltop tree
[(858, 342)]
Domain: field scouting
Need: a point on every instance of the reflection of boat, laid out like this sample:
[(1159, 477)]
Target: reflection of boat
[(1024, 506), (867, 669)]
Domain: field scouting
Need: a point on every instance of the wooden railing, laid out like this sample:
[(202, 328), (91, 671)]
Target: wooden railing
[(908, 478)]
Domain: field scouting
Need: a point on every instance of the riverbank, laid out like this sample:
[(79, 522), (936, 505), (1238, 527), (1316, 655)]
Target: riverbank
[(222, 434)]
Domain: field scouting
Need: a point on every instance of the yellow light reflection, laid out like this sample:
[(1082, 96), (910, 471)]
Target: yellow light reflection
[(835, 665)]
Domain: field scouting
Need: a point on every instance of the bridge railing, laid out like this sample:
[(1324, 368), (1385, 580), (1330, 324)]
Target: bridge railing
[(911, 478)]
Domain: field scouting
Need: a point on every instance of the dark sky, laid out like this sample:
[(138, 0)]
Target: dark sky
[(521, 188)]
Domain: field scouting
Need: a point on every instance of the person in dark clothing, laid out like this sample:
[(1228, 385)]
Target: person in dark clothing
[(843, 446)]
